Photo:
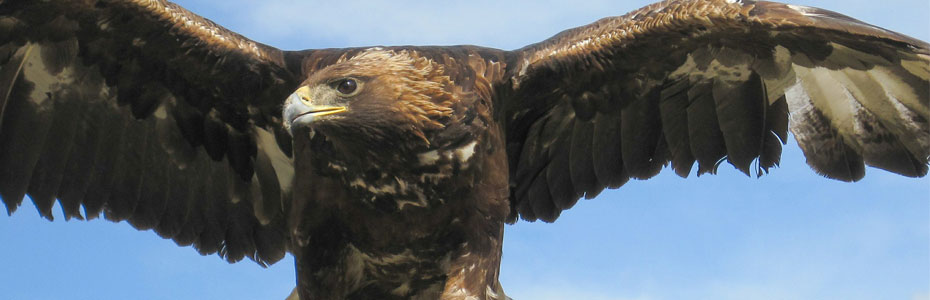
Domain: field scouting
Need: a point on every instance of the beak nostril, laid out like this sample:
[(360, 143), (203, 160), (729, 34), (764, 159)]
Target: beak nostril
[(302, 94)]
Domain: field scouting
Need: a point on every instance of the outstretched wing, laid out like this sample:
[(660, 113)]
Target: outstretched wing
[(150, 114), (707, 81)]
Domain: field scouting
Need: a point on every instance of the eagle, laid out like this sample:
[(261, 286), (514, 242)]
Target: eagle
[(367, 163)]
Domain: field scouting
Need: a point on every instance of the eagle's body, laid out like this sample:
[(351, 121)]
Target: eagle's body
[(389, 172), (432, 213)]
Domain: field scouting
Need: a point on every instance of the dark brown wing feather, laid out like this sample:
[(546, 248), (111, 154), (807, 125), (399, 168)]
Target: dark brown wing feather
[(147, 113), (710, 81)]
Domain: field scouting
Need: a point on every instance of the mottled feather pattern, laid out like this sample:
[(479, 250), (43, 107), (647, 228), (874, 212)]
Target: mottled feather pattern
[(106, 128), (856, 94)]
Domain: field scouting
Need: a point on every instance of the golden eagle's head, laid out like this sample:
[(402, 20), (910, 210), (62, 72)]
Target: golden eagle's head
[(375, 98)]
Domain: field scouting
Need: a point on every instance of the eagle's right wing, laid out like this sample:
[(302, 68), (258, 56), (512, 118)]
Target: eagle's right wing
[(150, 114)]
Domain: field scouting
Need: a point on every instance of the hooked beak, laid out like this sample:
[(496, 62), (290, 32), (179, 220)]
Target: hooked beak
[(300, 110)]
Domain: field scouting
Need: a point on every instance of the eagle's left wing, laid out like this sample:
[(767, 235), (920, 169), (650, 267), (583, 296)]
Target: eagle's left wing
[(710, 80)]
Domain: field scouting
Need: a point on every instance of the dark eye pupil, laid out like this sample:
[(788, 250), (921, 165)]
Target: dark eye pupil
[(346, 86)]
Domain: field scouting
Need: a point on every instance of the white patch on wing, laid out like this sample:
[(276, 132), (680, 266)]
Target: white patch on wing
[(796, 98), (922, 140), (899, 90), (283, 165), (780, 76), (686, 68), (35, 71), (871, 87), (828, 96), (727, 66), (867, 84), (918, 67)]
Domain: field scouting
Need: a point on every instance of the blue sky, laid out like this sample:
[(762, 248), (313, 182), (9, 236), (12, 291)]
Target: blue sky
[(788, 235)]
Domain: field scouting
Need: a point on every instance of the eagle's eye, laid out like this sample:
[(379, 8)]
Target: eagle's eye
[(346, 87)]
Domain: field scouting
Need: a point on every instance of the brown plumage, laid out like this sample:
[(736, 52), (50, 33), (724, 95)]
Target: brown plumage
[(387, 159)]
